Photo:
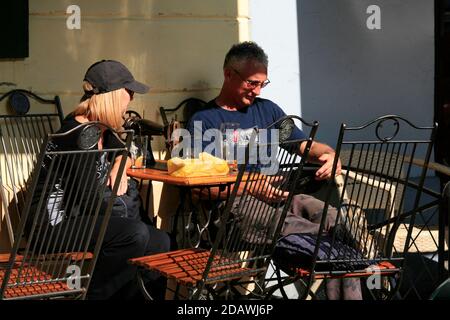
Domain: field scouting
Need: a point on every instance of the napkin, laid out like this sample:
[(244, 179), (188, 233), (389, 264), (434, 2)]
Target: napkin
[(206, 165)]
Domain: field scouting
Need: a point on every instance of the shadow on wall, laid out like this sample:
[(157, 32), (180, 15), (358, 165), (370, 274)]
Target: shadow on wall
[(350, 73)]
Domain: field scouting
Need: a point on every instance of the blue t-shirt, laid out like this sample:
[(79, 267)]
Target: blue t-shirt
[(226, 134), (261, 114)]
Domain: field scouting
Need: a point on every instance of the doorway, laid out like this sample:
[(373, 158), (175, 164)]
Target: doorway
[(442, 84)]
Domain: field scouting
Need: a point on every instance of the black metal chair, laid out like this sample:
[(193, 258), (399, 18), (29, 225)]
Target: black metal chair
[(180, 116), (182, 112), (442, 292), (429, 253), (248, 228), (364, 239), (64, 220), (22, 130), (203, 214)]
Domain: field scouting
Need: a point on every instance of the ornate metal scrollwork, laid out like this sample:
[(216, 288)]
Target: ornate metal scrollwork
[(286, 128), (89, 137), (19, 102), (384, 125)]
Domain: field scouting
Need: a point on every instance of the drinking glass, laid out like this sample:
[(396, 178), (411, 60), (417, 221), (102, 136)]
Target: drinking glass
[(230, 139), (138, 152)]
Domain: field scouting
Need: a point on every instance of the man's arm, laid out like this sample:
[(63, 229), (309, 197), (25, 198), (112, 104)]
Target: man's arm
[(261, 189), (322, 154)]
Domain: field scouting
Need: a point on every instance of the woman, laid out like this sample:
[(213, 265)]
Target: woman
[(108, 89)]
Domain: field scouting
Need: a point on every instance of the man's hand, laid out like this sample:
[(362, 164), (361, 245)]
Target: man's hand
[(265, 191), (324, 155), (325, 170)]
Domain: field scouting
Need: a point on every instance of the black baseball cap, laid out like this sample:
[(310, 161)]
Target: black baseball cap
[(110, 75)]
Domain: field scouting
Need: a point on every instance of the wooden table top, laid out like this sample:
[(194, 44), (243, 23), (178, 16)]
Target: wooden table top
[(163, 176)]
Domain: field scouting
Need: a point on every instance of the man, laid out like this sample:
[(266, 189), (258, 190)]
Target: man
[(245, 75)]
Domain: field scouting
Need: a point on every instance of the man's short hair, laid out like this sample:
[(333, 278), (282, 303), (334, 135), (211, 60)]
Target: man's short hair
[(246, 51)]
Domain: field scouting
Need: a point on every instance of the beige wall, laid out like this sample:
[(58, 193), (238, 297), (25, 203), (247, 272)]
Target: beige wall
[(175, 46)]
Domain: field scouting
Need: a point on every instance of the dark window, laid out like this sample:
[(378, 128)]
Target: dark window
[(13, 28)]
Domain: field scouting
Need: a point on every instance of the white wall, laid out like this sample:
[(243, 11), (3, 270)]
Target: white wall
[(274, 27)]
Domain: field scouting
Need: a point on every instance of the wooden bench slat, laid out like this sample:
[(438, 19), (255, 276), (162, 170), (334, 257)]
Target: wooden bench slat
[(31, 274), (231, 275), (4, 258), (171, 256), (187, 266), (73, 256)]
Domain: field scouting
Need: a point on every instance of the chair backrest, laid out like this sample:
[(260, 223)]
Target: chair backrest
[(285, 126), (65, 216), (372, 206), (28, 120), (180, 116), (182, 112), (253, 217), (442, 292)]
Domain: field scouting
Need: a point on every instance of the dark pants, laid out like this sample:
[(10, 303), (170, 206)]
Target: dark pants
[(303, 216), (124, 239)]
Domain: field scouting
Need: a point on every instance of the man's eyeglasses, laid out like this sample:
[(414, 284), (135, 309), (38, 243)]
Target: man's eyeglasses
[(252, 84), (131, 93)]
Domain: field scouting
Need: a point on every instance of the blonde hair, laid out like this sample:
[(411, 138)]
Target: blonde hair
[(103, 107)]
